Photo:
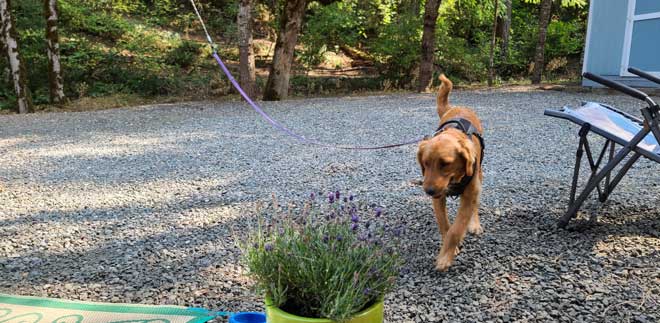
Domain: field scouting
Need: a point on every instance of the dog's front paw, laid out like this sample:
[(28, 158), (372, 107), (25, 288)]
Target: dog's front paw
[(443, 263), (475, 229)]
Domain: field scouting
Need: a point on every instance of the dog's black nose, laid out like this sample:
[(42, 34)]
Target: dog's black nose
[(430, 191)]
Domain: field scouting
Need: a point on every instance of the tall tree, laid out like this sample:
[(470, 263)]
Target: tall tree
[(247, 74), (428, 44), (491, 62), (3, 58), (505, 29), (55, 83), (544, 20), (16, 66), (277, 87)]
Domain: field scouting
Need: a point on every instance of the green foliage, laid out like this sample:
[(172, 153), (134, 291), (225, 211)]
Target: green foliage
[(321, 260), (566, 38), (141, 46), (340, 23), (397, 47), (183, 55), (564, 3), (117, 6), (78, 18)]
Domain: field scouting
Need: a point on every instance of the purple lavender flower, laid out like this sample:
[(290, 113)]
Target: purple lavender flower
[(355, 218), (331, 198), (379, 211), (354, 226), (337, 195), (312, 196), (268, 247), (340, 237), (351, 197), (326, 238), (367, 291)]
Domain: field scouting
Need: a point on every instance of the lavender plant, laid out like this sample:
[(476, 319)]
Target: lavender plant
[(322, 259)]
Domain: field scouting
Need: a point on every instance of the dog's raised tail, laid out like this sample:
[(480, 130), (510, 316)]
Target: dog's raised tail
[(443, 95)]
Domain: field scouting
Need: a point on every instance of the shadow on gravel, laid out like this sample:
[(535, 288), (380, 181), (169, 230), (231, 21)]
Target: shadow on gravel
[(155, 261)]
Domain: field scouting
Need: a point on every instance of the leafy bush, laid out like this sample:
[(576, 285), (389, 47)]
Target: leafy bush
[(397, 48), (340, 23), (184, 55), (322, 261), (94, 23), (565, 39)]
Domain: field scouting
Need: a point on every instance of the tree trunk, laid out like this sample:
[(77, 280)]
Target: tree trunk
[(18, 74), (428, 44), (247, 74), (55, 83), (544, 19), (277, 87), (506, 30), (6, 73), (491, 62)]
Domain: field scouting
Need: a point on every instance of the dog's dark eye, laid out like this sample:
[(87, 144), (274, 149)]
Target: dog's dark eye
[(441, 164)]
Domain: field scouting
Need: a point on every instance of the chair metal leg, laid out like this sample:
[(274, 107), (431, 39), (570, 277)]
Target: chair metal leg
[(603, 197), (578, 160), (652, 118), (594, 165), (599, 176), (624, 169)]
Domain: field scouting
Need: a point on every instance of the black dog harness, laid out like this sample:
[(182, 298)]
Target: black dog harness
[(456, 189)]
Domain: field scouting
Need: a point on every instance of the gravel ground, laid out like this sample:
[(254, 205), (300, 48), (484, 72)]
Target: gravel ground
[(138, 205)]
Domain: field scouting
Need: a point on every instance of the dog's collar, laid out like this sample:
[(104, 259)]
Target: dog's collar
[(464, 125)]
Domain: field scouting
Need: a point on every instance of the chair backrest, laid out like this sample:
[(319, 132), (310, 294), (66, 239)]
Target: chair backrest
[(645, 75), (651, 113)]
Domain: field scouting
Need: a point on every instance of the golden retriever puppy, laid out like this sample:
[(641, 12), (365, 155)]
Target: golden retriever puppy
[(451, 166)]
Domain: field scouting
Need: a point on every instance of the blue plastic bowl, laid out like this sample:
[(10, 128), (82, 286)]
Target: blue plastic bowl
[(248, 317)]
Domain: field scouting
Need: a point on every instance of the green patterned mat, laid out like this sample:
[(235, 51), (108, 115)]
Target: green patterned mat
[(24, 309)]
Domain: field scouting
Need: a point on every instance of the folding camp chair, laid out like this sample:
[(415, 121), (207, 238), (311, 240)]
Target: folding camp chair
[(636, 137)]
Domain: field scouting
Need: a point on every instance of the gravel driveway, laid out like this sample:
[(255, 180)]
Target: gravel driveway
[(139, 205)]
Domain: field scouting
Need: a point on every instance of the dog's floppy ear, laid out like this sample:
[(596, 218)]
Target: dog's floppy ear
[(470, 154), (420, 151)]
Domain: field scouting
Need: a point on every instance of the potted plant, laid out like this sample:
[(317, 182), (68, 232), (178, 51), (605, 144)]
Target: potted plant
[(323, 261)]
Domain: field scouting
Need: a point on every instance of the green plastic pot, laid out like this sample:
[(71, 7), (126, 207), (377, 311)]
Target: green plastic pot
[(373, 314)]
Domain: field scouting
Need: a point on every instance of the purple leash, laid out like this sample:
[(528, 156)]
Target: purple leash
[(274, 122)]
